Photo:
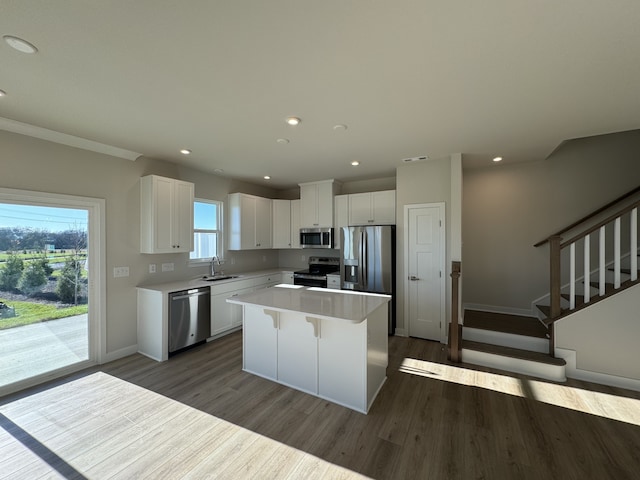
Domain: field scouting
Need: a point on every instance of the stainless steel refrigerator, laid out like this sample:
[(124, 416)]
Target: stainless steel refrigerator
[(368, 262)]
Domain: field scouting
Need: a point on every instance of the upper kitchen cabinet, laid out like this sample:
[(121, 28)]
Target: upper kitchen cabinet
[(341, 217), (316, 203), (295, 223), (249, 222), (372, 208), (166, 215), (282, 233)]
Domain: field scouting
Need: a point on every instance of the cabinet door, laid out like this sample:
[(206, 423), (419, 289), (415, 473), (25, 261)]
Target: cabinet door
[(263, 235), (383, 205), (260, 342), (247, 222), (325, 204), (281, 223), (309, 206), (183, 216), (297, 353), (222, 313), (342, 361), (295, 223), (360, 209), (163, 214), (341, 217)]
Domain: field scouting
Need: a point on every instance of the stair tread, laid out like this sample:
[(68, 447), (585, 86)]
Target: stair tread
[(512, 352), (505, 323)]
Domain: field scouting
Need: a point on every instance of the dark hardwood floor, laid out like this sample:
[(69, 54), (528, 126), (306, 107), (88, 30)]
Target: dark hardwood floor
[(432, 419)]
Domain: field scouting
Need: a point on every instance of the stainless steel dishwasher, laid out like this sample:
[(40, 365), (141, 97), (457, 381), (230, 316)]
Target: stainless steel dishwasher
[(189, 314)]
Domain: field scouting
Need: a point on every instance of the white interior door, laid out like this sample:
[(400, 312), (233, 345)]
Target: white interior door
[(425, 270)]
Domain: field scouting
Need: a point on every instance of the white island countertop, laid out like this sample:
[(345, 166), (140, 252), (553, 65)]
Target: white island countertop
[(353, 307)]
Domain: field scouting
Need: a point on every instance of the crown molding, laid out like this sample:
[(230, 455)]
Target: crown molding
[(66, 139)]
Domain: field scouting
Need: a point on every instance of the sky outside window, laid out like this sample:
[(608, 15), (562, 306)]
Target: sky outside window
[(52, 219)]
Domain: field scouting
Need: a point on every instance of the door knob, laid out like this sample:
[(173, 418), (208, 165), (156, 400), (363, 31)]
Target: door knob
[(413, 278)]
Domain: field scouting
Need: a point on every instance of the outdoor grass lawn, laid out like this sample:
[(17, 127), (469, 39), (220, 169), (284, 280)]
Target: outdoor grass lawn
[(28, 313)]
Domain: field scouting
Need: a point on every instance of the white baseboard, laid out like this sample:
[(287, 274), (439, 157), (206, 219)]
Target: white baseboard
[(401, 332), (496, 309), (123, 352), (595, 377)]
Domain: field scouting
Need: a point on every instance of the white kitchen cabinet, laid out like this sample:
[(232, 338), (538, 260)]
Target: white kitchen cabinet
[(227, 317), (342, 363), (282, 232), (372, 208), (295, 223), (260, 342), (298, 352), (166, 215), (316, 207), (341, 217), (287, 277), (249, 222), (333, 281)]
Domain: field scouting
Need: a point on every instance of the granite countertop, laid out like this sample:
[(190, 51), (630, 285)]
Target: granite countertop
[(347, 305)]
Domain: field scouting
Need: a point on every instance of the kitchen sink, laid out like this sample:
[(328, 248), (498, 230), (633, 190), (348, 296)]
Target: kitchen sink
[(215, 278)]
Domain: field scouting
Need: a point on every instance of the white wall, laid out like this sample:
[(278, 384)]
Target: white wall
[(431, 181), (508, 208), (604, 336), (32, 164)]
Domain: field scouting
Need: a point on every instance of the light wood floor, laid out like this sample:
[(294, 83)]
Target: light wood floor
[(199, 416)]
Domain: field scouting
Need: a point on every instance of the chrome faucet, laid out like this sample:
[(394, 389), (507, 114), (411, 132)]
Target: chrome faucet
[(214, 260)]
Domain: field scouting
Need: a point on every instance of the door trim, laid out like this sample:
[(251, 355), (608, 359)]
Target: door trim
[(96, 244), (443, 257)]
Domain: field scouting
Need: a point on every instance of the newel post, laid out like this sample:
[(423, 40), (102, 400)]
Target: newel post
[(554, 257), (454, 330)]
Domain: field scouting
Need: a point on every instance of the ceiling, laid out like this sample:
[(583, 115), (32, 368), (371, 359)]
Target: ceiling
[(407, 78)]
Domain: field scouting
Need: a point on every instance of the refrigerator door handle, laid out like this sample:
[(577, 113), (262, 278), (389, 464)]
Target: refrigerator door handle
[(365, 259)]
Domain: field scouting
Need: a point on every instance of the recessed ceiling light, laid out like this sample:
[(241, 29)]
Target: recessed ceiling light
[(340, 127), (20, 44), (355, 163), (267, 177), (3, 93), (497, 159), (185, 151), (293, 121), (282, 141)]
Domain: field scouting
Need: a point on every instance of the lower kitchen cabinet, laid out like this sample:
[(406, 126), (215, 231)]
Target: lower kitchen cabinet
[(297, 352), (260, 342)]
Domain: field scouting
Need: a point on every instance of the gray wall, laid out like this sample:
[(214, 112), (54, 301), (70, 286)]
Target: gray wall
[(508, 208), (32, 164)]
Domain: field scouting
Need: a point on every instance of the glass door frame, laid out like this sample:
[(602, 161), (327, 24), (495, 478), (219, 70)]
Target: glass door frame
[(96, 287)]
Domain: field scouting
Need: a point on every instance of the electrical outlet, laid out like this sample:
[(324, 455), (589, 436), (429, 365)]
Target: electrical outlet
[(120, 272), (167, 267), (152, 268)]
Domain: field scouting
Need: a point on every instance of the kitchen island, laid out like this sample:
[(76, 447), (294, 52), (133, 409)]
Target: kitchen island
[(329, 343)]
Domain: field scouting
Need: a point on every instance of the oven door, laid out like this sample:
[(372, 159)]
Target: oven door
[(310, 280)]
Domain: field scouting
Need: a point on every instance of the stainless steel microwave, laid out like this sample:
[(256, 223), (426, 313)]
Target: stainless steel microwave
[(316, 237)]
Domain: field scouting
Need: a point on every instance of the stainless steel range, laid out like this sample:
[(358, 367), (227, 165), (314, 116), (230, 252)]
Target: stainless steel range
[(316, 274)]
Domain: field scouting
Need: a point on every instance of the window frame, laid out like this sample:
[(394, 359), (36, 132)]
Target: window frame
[(219, 231)]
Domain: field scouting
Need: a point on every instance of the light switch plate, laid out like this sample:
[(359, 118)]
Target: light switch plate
[(152, 268), (120, 272), (167, 267)]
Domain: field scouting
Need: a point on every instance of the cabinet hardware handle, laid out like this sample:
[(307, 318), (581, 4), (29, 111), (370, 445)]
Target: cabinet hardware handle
[(413, 278)]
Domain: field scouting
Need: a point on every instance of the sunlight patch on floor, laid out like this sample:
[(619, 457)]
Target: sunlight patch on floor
[(100, 426), (604, 405)]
